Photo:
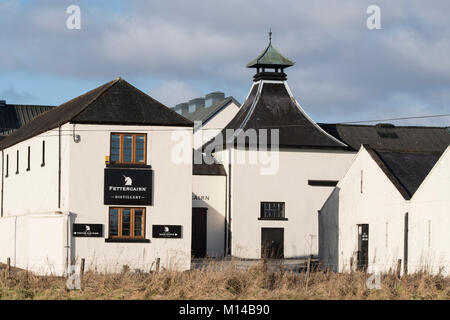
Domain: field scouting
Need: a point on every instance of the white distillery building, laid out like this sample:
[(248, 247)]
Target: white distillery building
[(272, 202), (210, 115), (94, 179), (209, 207), (390, 212)]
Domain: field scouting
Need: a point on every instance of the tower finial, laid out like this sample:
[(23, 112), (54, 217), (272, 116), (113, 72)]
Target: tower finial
[(270, 35)]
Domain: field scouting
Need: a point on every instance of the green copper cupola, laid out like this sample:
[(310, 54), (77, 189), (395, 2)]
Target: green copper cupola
[(270, 64)]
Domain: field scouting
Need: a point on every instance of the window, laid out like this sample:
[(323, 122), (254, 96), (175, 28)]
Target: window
[(127, 223), (28, 167), (43, 153), (272, 211), (7, 166), (17, 162), (128, 148)]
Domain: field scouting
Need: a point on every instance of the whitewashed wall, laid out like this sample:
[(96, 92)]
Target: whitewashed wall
[(429, 221), (172, 200), (289, 185), (32, 225), (379, 204), (210, 192), (39, 234), (215, 125)]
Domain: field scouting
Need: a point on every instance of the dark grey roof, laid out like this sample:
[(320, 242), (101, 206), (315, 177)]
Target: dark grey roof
[(406, 170), (205, 169), (272, 107), (14, 116), (205, 114), (389, 137), (116, 102)]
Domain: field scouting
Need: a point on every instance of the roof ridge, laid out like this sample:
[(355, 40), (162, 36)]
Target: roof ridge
[(264, 52), (418, 152), (84, 94), (375, 125)]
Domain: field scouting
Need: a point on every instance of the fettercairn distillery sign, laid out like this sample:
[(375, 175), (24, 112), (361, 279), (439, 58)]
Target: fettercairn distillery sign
[(128, 186)]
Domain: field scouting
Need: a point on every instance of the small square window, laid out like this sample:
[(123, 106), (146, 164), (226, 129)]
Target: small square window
[(272, 210)]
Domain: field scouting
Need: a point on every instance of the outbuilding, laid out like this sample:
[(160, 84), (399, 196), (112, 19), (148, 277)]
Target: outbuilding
[(96, 179), (281, 166), (388, 213)]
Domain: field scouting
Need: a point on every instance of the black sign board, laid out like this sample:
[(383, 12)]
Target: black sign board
[(87, 230), (166, 231), (128, 186)]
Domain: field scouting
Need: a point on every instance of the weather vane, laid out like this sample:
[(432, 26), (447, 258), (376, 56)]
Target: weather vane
[(270, 35)]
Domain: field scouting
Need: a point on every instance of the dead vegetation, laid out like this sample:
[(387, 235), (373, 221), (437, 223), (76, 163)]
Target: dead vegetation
[(210, 283)]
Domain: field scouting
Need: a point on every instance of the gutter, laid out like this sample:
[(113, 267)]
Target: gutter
[(228, 244)]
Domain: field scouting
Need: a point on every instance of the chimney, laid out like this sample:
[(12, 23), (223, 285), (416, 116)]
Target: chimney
[(182, 108), (196, 104), (213, 97)]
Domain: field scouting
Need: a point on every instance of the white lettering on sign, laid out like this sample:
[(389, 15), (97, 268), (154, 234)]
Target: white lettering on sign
[(112, 188)]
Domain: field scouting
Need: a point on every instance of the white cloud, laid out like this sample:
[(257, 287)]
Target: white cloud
[(340, 65)]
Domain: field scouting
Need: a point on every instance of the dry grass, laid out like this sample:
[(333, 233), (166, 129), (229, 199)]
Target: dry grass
[(256, 283)]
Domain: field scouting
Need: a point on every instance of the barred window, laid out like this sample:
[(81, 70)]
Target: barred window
[(272, 210)]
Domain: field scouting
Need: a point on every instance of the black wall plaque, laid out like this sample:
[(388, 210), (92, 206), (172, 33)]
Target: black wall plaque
[(128, 186), (166, 231), (87, 230)]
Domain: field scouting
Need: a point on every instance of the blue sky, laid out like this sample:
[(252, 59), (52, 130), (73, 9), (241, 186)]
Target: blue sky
[(176, 50)]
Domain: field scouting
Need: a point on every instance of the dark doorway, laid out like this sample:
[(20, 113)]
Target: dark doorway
[(272, 243), (198, 243), (363, 247)]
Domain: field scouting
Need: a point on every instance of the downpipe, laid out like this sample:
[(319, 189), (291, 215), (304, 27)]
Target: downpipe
[(67, 238)]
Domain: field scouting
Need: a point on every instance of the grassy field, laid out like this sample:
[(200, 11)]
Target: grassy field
[(255, 283)]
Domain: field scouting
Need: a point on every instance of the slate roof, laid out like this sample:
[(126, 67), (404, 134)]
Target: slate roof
[(215, 169), (406, 170), (205, 114), (270, 57), (272, 107), (207, 169), (389, 137), (14, 116), (116, 102)]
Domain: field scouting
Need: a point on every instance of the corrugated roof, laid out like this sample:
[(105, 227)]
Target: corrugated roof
[(14, 116), (116, 102), (389, 137)]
